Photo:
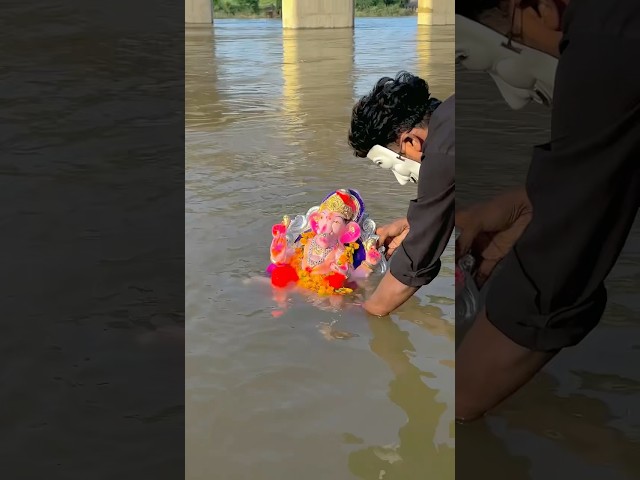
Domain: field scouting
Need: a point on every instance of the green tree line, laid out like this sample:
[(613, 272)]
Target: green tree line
[(234, 7), (363, 4), (254, 7)]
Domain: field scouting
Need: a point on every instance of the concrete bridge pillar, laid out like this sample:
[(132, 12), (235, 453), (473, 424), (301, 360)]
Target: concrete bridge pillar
[(198, 12), (318, 13), (436, 12)]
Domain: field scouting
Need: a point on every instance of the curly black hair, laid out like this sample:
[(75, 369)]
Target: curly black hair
[(394, 106)]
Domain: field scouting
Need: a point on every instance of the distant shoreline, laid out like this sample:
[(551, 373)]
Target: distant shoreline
[(381, 12)]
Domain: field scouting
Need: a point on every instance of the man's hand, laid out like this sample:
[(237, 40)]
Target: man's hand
[(392, 235), (489, 230)]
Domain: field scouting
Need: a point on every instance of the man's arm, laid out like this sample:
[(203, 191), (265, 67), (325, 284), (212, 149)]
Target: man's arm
[(430, 216), (584, 189), (389, 295)]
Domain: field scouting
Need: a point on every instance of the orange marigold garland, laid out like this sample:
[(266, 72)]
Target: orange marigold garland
[(305, 237), (328, 284)]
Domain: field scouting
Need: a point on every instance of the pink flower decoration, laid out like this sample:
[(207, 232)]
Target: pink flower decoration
[(278, 229)]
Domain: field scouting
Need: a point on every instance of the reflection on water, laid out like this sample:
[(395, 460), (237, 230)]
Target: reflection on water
[(277, 387), (579, 418), (410, 390)]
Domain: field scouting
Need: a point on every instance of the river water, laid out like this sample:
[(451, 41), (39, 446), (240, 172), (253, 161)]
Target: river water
[(278, 386), (579, 418)]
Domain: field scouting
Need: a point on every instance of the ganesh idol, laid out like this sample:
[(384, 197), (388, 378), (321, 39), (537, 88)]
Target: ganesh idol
[(327, 250)]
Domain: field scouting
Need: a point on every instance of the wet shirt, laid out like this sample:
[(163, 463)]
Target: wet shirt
[(431, 215)]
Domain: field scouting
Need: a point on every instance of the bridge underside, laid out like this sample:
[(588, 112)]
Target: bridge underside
[(325, 13)]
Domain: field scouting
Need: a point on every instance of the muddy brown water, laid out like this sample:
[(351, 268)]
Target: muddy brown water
[(277, 386)]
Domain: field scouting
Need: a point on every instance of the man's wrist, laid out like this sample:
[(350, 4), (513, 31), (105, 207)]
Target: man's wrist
[(403, 222), (517, 196)]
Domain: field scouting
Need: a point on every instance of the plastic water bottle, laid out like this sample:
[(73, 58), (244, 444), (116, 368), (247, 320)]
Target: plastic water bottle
[(467, 293)]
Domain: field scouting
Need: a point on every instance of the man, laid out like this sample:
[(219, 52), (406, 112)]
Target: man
[(583, 189), (400, 115)]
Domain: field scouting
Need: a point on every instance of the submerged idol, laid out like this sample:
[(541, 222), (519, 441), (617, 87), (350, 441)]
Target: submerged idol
[(327, 249)]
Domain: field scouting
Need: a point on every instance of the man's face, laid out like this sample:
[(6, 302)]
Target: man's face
[(409, 146), (404, 169)]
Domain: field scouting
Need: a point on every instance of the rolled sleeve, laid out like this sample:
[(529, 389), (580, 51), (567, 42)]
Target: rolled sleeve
[(431, 215), (585, 192)]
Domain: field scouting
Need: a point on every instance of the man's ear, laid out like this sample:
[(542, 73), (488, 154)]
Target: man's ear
[(411, 146)]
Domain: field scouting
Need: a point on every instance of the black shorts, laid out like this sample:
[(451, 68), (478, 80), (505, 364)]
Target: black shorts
[(585, 191)]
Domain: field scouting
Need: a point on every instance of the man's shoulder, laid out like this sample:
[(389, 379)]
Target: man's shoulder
[(442, 128), (446, 110), (449, 102)]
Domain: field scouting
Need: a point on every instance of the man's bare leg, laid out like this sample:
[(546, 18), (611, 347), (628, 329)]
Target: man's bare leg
[(490, 367)]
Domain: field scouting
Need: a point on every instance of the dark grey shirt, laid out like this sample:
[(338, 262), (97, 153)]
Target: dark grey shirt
[(431, 215), (584, 184)]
